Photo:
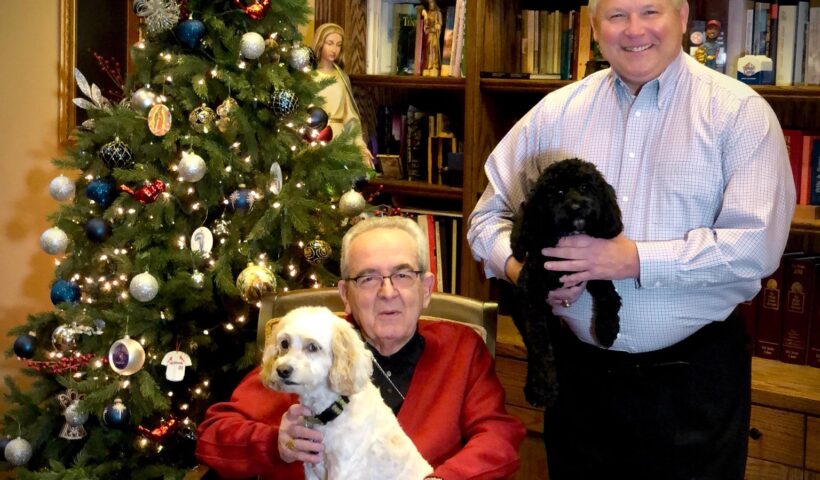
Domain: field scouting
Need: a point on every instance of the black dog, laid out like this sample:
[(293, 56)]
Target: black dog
[(570, 197)]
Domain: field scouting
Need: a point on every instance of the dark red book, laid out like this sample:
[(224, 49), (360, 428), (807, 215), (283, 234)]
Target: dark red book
[(800, 277), (770, 318), (814, 324)]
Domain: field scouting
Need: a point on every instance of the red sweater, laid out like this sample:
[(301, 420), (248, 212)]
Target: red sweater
[(454, 413)]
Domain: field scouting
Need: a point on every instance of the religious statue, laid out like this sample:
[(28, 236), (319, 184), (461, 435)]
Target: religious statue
[(339, 102), (432, 31)]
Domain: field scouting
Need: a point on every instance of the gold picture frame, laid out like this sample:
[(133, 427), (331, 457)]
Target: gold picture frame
[(105, 26)]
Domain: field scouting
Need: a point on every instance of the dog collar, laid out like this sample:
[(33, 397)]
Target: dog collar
[(330, 413)]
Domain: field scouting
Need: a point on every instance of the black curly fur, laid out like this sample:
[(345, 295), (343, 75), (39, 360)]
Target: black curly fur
[(571, 196)]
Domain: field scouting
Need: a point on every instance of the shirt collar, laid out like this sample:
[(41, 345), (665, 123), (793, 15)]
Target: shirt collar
[(661, 88)]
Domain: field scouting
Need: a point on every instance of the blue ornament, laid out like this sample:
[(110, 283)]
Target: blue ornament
[(64, 291), (190, 32), (97, 230), (242, 199), (116, 415), (102, 190), (284, 102), (24, 348)]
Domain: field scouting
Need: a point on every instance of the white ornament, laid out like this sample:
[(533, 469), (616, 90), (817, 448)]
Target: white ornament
[(198, 279), (176, 362), (61, 188), (192, 167), (144, 287), (126, 356), (352, 203), (54, 241), (18, 451), (202, 240), (252, 45), (276, 178)]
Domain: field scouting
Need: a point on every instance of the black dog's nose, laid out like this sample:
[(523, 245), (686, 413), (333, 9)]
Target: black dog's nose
[(284, 372)]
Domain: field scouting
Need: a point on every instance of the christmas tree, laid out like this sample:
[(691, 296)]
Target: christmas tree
[(214, 182)]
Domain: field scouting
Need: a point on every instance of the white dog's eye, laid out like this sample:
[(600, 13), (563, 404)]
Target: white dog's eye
[(284, 344), (312, 347)]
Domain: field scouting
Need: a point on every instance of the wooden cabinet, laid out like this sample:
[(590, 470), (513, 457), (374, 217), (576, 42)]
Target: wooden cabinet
[(784, 436)]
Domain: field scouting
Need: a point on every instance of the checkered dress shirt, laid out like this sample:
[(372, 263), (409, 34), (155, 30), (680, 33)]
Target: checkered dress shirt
[(702, 175)]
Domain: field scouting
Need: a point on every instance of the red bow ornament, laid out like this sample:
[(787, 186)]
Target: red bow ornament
[(256, 11), (147, 193)]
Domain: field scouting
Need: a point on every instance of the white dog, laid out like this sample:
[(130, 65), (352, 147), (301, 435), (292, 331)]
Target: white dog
[(320, 357)]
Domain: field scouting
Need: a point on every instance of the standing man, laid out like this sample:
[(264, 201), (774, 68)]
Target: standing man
[(701, 171)]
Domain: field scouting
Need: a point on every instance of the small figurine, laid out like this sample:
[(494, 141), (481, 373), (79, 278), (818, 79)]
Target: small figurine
[(709, 53), (339, 102), (432, 30)]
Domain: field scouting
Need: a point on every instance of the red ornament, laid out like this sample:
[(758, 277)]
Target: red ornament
[(256, 11), (147, 193), (325, 135), (166, 427)]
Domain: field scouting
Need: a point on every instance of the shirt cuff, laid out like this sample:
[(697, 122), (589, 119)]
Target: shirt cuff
[(498, 257), (657, 266)]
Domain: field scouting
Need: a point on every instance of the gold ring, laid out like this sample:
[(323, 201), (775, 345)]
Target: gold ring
[(566, 303), (289, 444)]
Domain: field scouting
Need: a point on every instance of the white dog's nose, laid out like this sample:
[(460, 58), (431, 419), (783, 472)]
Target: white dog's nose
[(284, 371)]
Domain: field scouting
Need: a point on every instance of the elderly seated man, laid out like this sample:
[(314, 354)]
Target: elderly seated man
[(438, 377)]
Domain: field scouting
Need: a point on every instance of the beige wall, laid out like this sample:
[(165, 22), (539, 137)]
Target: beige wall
[(29, 46)]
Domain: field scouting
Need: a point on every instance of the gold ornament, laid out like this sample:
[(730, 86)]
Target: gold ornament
[(317, 251), (254, 282), (202, 118)]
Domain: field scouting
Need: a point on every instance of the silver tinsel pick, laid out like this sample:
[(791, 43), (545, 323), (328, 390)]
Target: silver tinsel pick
[(160, 15)]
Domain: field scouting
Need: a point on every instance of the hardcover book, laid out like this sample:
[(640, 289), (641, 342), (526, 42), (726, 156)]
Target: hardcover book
[(770, 319), (800, 276)]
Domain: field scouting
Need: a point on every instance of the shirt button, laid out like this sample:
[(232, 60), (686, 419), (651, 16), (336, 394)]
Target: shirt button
[(625, 198), (631, 154), (657, 284), (638, 114), (389, 373)]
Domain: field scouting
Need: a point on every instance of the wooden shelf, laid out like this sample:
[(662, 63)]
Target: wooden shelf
[(409, 82), (521, 85), (806, 219), (415, 189)]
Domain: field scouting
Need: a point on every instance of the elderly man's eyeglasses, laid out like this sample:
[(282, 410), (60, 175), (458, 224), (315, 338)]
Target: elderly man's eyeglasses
[(372, 281)]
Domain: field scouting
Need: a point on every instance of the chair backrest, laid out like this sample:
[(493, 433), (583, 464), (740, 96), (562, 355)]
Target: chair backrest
[(483, 316)]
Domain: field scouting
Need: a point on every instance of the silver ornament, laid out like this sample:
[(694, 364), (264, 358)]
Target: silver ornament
[(252, 45), (159, 15), (64, 339), (61, 188), (144, 287), (54, 241), (126, 356), (198, 280), (18, 451), (352, 203), (221, 226), (74, 416), (192, 167), (302, 58), (142, 100)]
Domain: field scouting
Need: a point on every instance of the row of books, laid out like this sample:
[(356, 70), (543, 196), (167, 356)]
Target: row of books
[(443, 231), (804, 156), (784, 318), (787, 32), (396, 43), (415, 145), (555, 44)]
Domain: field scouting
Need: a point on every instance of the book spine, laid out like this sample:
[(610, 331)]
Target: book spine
[(799, 283), (814, 181), (770, 318), (814, 324)]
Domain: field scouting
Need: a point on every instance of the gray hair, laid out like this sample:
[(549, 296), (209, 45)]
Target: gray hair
[(593, 5), (395, 223)]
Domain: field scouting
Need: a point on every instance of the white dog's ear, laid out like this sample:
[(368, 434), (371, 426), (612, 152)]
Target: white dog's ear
[(352, 363), (270, 353)]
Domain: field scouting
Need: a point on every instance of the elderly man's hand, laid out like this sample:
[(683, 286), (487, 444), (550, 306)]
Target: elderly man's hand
[(594, 259), (297, 442)]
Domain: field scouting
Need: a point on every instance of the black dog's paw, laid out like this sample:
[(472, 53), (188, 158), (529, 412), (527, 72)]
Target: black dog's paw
[(606, 305)]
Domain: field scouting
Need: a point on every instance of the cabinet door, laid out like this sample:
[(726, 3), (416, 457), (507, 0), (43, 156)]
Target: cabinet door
[(777, 436), (763, 470), (813, 445)]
